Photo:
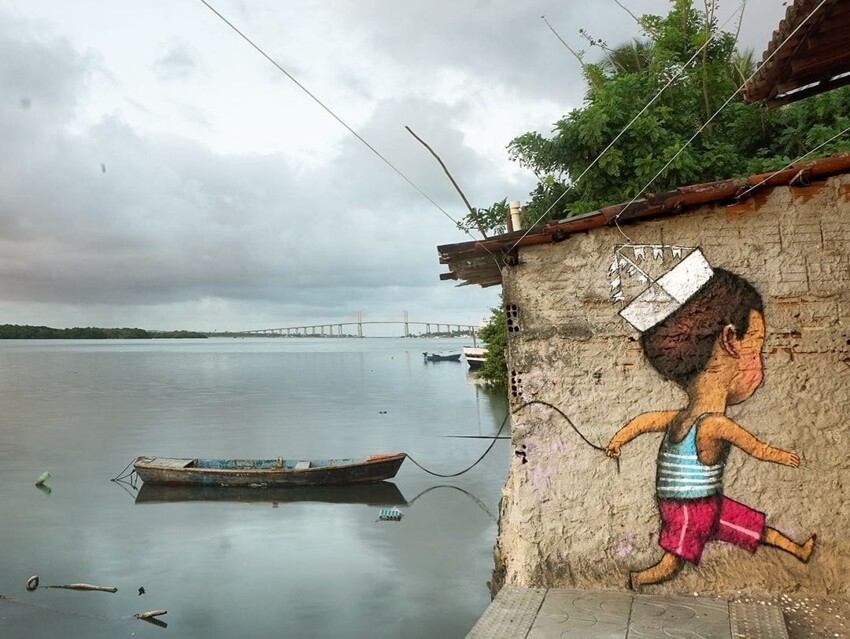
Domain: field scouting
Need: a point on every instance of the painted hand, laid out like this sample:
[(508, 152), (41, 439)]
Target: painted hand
[(789, 459), (613, 451)]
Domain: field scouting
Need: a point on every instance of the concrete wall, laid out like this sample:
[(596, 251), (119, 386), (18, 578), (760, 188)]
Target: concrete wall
[(568, 519)]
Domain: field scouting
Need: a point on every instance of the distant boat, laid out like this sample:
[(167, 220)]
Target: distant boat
[(267, 473), (441, 357), (382, 493), (474, 356)]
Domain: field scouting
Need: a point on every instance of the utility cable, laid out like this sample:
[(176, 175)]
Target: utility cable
[(793, 162), (711, 119), (329, 111), (596, 160), (315, 98)]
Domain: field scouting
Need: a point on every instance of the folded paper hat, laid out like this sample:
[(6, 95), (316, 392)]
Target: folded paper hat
[(668, 293)]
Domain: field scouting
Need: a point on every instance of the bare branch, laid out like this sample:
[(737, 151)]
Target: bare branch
[(740, 20), (472, 212), (569, 48), (557, 35), (627, 10)]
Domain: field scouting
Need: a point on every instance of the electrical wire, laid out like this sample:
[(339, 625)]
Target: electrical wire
[(711, 119), (627, 127), (324, 106), (793, 162)]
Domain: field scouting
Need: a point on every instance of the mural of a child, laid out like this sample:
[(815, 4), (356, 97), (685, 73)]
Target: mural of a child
[(711, 346)]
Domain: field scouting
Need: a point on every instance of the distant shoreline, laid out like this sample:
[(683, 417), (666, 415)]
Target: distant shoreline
[(15, 331)]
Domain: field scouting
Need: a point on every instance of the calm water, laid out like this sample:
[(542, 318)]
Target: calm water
[(305, 564)]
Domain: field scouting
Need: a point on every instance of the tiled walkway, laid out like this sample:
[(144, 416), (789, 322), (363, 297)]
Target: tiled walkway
[(532, 613)]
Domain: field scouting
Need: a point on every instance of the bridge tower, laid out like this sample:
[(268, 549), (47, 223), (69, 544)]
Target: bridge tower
[(406, 326)]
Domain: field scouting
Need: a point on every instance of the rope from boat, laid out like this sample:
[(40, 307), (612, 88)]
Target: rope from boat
[(573, 426), (124, 474), (466, 470)]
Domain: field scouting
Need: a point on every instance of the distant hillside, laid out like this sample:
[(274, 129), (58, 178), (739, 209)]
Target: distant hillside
[(14, 331)]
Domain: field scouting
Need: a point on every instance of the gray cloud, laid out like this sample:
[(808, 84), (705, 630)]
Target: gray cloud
[(174, 230), (178, 62)]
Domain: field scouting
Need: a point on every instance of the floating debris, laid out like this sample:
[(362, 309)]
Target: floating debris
[(390, 514), (32, 584), (43, 477), (150, 614), (89, 587)]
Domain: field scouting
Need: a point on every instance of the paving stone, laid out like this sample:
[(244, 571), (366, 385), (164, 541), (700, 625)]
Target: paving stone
[(679, 618), (510, 615), (585, 614), (530, 613), (757, 621)]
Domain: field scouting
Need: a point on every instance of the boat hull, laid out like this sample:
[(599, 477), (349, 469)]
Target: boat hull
[(474, 356), (266, 473)]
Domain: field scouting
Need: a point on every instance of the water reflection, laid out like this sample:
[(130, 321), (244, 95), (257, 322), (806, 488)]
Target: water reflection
[(382, 493), (475, 499)]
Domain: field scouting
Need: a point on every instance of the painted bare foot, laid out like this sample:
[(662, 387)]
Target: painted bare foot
[(806, 550)]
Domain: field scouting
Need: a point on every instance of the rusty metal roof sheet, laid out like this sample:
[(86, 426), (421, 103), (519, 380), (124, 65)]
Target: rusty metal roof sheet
[(481, 262), (816, 58)]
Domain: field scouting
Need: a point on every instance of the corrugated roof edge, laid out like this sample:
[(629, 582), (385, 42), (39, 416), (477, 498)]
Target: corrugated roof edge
[(773, 59), (488, 254)]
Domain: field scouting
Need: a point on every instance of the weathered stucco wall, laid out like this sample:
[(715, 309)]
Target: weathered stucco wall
[(568, 519)]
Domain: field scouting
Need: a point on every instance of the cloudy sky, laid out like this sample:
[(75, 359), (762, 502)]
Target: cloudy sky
[(156, 171)]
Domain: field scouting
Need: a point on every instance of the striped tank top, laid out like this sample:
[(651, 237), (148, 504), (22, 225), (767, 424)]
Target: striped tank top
[(681, 475)]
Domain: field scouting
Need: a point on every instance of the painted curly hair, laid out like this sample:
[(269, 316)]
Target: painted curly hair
[(680, 346)]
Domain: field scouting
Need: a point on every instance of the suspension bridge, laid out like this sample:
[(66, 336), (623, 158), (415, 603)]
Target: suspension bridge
[(354, 328)]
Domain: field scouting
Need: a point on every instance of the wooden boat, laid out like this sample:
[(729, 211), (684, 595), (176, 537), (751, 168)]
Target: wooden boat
[(474, 356), (267, 473), (381, 493), (441, 357)]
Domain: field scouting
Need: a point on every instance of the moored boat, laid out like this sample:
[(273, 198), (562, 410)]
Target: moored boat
[(441, 357), (474, 356), (270, 473)]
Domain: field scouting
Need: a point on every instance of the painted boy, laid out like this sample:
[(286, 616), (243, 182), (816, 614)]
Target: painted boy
[(710, 345)]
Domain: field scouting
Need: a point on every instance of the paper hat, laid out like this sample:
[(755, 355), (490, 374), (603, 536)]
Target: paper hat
[(664, 295)]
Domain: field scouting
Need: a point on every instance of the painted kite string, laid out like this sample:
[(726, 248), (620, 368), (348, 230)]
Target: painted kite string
[(711, 119), (627, 127), (570, 422)]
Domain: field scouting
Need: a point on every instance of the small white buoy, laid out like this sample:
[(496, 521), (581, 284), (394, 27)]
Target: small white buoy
[(32, 583), (43, 477)]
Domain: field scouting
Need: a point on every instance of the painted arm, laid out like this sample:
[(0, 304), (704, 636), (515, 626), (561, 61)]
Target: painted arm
[(727, 430), (655, 422)]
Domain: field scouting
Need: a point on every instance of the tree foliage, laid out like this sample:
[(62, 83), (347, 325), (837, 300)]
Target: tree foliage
[(15, 331), (740, 140), (494, 335)]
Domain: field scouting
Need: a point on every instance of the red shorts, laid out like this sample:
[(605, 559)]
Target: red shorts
[(687, 524)]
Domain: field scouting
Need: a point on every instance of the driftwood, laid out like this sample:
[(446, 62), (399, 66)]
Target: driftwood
[(86, 587), (150, 614), (32, 584)]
